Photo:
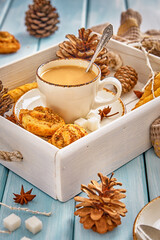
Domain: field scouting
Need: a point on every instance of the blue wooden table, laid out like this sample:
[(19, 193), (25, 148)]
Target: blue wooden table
[(140, 177)]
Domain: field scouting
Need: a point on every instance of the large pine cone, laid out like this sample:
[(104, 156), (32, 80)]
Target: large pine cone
[(127, 76), (5, 100), (84, 47), (41, 19), (102, 211)]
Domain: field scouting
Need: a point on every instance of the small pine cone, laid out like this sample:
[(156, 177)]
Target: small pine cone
[(41, 19), (102, 211), (84, 47), (5, 100), (127, 76), (155, 136)]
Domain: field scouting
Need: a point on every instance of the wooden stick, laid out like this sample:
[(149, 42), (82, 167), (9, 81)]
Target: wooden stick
[(26, 210), (1, 231)]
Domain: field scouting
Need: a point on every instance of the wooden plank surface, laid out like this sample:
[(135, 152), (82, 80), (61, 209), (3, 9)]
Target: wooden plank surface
[(3, 179), (4, 6), (153, 174)]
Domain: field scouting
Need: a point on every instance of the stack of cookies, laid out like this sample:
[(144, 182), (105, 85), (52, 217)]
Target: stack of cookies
[(43, 122)]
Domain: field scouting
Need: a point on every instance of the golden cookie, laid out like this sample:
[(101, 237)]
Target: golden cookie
[(41, 121), (8, 43), (67, 134)]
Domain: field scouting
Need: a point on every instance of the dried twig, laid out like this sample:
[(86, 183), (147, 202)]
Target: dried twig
[(2, 231), (26, 210)]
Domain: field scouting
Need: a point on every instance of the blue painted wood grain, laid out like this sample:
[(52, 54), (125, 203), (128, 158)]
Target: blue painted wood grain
[(3, 179), (4, 6), (153, 173), (58, 226), (132, 176)]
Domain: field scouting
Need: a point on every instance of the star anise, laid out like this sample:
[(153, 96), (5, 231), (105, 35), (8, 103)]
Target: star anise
[(23, 197), (104, 113), (138, 93)]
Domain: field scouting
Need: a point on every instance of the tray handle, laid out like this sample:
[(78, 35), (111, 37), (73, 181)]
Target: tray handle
[(14, 156)]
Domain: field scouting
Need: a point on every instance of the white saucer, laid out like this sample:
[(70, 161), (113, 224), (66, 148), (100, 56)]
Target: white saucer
[(149, 215), (33, 98)]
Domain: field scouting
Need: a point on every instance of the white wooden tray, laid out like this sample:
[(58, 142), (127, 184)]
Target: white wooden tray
[(60, 173)]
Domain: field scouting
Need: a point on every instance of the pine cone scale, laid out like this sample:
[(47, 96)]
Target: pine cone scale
[(88, 223), (96, 214), (101, 225)]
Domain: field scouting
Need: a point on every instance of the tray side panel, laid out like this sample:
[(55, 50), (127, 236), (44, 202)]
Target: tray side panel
[(104, 150), (38, 165)]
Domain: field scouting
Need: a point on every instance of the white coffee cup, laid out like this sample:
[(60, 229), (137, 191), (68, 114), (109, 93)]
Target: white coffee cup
[(74, 101)]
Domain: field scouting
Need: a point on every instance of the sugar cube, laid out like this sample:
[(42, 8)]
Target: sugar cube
[(81, 122), (92, 114), (25, 238), (93, 124), (12, 222), (33, 224)]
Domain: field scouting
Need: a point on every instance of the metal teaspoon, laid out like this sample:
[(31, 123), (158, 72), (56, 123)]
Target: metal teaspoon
[(107, 34)]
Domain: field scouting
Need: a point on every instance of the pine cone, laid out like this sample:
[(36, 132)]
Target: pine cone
[(41, 19), (127, 76), (84, 47), (102, 211), (5, 100)]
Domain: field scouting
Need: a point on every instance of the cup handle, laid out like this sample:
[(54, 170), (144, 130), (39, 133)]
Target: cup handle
[(109, 80)]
